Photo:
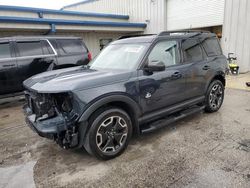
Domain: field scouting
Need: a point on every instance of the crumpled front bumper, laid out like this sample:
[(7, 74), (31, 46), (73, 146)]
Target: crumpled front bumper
[(48, 128)]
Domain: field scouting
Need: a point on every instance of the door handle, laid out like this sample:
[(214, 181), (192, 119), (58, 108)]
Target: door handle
[(176, 75), (206, 67), (12, 65)]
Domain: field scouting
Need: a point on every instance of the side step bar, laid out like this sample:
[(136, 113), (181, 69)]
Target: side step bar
[(171, 119)]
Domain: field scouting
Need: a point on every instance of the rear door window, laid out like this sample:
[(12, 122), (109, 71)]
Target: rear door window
[(212, 47), (5, 50), (71, 46), (192, 50), (30, 48), (47, 50)]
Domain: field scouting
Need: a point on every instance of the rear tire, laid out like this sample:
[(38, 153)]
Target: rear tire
[(214, 96), (109, 133)]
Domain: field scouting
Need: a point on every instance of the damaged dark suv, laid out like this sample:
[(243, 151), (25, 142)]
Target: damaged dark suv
[(136, 85)]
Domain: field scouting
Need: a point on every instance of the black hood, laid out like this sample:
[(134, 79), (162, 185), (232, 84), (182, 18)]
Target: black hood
[(71, 79)]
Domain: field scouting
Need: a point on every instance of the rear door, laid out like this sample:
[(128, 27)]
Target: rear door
[(216, 62), (33, 57), (195, 59), (71, 52), (8, 69)]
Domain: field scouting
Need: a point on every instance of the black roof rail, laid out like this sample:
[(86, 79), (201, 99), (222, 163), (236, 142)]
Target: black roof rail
[(182, 31), (131, 36)]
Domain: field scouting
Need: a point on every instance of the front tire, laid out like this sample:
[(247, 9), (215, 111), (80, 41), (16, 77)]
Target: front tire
[(214, 96), (109, 134)]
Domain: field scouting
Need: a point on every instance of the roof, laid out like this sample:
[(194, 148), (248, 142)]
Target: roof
[(8, 19), (116, 21), (79, 3), (141, 39), (62, 12), (166, 35)]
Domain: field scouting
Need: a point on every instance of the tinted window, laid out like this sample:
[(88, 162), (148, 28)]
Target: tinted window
[(165, 52), (192, 50), (212, 47), (30, 48), (46, 48), (71, 46), (5, 50)]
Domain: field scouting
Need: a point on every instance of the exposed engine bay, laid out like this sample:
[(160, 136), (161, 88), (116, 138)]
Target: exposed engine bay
[(52, 116)]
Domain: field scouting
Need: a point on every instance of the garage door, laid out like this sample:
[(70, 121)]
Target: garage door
[(186, 14)]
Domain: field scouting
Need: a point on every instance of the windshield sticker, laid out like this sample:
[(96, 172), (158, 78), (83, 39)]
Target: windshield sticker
[(133, 49)]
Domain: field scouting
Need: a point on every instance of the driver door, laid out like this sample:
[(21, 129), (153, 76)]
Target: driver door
[(161, 89)]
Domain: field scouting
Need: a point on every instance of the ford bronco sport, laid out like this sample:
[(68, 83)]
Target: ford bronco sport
[(136, 85)]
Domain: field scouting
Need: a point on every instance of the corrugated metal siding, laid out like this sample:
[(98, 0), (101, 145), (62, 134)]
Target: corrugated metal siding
[(236, 31), (185, 14), (151, 11), (19, 14), (74, 17)]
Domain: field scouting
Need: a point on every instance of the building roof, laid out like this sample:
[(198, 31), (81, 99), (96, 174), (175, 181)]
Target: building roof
[(62, 12), (8, 19), (17, 18)]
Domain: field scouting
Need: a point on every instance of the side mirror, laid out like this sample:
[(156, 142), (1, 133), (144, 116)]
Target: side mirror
[(155, 66)]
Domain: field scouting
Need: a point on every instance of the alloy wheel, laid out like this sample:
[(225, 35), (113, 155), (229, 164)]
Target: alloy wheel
[(215, 96), (112, 134)]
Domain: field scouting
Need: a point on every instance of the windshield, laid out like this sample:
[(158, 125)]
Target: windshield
[(119, 56)]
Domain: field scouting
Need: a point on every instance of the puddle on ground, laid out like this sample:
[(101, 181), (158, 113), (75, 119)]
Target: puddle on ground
[(17, 176)]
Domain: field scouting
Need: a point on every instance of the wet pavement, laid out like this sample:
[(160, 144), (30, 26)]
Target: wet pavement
[(205, 150)]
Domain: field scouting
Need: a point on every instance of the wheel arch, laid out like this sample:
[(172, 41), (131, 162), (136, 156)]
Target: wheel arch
[(118, 100), (221, 78), (218, 76)]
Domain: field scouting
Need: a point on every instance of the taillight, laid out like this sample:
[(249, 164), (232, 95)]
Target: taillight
[(89, 56)]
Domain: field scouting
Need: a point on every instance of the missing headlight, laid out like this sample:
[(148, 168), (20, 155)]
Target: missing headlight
[(63, 102)]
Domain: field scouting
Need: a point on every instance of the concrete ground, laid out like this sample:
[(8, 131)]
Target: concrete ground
[(239, 81), (205, 150)]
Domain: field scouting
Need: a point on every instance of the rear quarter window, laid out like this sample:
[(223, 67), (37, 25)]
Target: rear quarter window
[(192, 50), (212, 47), (71, 46)]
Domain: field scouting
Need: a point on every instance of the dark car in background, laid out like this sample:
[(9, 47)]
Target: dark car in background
[(22, 57)]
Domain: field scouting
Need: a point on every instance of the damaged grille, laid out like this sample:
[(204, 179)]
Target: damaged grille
[(40, 104)]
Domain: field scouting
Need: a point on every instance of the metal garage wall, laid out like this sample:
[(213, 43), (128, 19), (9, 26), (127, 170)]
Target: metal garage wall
[(236, 31), (185, 14), (150, 11)]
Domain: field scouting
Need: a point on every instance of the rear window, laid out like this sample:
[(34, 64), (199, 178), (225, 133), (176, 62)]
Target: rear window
[(5, 50), (212, 47), (192, 50), (71, 46)]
